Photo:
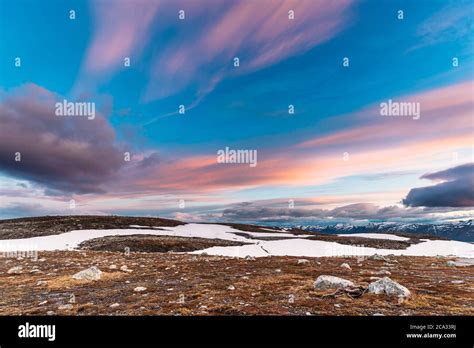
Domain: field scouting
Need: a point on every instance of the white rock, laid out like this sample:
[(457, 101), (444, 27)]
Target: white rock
[(231, 287), (42, 303), (114, 305), (457, 281), (378, 257), (15, 270), (41, 282), (65, 307), (346, 266), (451, 263), (113, 267), (324, 282), (124, 268), (302, 262), (139, 289), (92, 273), (389, 287)]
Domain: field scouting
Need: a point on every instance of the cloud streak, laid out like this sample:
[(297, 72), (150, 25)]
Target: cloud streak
[(121, 30), (258, 32)]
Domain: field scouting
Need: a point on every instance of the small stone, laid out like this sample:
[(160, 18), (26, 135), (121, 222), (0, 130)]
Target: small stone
[(378, 257), (92, 273), (302, 262), (457, 281), (139, 289), (113, 267), (42, 303), (124, 268), (346, 266), (451, 263), (114, 305), (325, 282), (231, 287), (41, 282), (65, 307), (389, 287), (15, 270)]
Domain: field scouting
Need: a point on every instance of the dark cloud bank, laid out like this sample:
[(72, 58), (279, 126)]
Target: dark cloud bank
[(456, 190), (67, 154)]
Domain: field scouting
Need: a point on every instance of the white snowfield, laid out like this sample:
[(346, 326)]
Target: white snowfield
[(375, 236), (291, 245)]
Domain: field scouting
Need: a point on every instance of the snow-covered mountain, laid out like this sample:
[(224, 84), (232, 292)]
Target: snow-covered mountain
[(462, 231)]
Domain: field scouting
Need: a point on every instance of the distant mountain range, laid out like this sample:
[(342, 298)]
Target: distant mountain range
[(461, 231)]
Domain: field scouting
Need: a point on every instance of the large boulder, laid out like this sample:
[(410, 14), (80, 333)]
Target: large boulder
[(325, 282), (389, 287), (92, 273)]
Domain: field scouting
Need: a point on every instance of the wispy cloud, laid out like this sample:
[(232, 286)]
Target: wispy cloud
[(121, 29), (259, 33), (453, 22)]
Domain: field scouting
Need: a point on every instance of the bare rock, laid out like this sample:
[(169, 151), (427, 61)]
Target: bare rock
[(92, 273), (346, 266), (65, 307), (389, 287), (325, 282), (15, 270), (378, 257)]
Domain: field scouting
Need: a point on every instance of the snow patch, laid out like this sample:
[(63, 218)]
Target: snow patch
[(375, 236), (292, 246)]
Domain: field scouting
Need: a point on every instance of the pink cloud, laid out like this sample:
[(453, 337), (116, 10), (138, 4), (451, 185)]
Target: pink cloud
[(445, 111), (259, 32), (122, 29), (383, 145)]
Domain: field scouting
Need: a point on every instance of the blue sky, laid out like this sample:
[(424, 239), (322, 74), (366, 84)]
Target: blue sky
[(190, 62)]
